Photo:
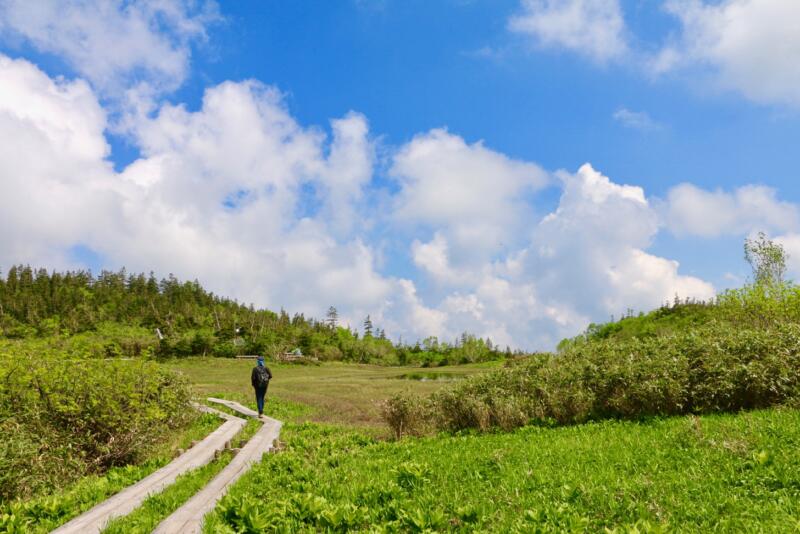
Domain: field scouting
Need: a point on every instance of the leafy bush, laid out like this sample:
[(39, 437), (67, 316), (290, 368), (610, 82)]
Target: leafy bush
[(43, 513), (405, 415), (62, 419), (707, 369)]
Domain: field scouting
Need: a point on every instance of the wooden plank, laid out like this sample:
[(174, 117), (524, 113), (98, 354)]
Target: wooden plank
[(124, 502), (235, 406), (188, 519)]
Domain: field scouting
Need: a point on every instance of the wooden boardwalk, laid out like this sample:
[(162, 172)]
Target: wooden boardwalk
[(124, 502), (188, 519)]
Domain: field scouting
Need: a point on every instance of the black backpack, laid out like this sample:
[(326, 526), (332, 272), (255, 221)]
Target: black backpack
[(262, 376)]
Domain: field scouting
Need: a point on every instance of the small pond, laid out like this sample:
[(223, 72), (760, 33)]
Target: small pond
[(424, 377)]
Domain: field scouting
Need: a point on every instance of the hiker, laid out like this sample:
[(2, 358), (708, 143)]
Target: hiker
[(260, 378)]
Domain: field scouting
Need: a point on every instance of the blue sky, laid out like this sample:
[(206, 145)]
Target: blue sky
[(412, 66), (450, 193)]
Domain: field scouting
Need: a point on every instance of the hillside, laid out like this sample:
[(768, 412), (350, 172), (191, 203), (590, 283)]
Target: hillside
[(121, 314), (682, 418), (667, 319)]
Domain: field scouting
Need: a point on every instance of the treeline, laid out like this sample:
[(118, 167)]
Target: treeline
[(123, 314)]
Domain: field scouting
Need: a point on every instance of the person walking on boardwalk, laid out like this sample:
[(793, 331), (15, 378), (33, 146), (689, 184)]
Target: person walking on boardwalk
[(260, 378)]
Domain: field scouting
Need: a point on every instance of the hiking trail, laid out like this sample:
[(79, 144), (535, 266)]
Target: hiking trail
[(188, 519)]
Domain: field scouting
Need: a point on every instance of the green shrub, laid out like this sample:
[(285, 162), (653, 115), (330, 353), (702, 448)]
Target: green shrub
[(713, 368), (61, 419), (404, 414)]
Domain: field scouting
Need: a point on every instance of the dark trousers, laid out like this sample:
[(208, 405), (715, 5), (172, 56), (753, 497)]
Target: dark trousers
[(260, 394)]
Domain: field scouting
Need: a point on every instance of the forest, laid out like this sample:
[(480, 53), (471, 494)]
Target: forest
[(128, 315)]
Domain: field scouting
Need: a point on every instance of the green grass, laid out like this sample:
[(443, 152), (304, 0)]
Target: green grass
[(45, 512), (723, 473), (339, 393)]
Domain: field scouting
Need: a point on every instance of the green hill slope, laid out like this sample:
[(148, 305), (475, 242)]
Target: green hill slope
[(129, 315)]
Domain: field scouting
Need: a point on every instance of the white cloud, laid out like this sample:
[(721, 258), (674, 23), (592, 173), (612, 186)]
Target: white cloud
[(114, 44), (592, 28), (475, 196), (226, 185), (347, 173), (596, 261), (216, 196), (433, 258), (53, 175), (222, 194), (637, 120), (791, 244), (689, 210), (752, 46), (584, 261), (748, 46), (411, 318)]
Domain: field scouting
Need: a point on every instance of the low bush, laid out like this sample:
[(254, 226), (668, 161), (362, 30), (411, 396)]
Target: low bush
[(713, 368), (44, 513), (62, 419), (405, 415)]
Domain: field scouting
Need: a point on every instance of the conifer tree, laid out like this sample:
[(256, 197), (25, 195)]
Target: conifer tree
[(332, 318), (367, 327)]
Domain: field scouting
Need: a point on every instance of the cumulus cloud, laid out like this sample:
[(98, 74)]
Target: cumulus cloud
[(53, 175), (216, 195), (347, 173), (476, 197), (261, 208), (113, 43), (592, 28), (791, 244), (432, 257), (751, 45), (585, 261), (592, 250), (748, 46), (227, 184), (689, 210)]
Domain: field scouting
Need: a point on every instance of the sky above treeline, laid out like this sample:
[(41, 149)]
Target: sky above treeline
[(515, 169)]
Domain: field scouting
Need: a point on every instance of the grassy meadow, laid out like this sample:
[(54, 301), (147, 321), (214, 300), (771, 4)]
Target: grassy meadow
[(718, 473), (332, 392), (338, 471)]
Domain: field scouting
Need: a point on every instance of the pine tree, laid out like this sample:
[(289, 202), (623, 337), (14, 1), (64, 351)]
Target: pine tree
[(367, 327), (333, 317)]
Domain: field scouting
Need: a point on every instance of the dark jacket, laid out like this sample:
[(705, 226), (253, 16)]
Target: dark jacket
[(254, 375)]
